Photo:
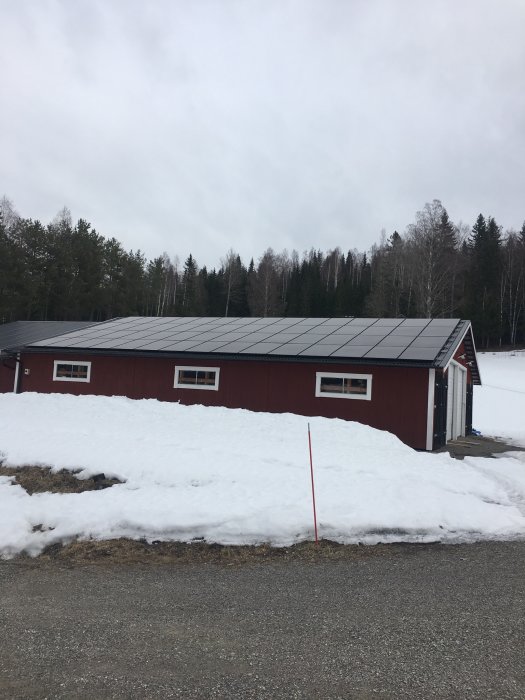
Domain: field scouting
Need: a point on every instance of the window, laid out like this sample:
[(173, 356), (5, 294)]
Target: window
[(64, 371), (197, 378), (343, 386)]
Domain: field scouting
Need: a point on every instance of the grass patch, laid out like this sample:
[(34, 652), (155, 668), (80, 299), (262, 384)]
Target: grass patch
[(42, 480), (127, 551)]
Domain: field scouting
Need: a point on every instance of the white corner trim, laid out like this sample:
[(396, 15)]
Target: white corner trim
[(430, 408), (17, 374)]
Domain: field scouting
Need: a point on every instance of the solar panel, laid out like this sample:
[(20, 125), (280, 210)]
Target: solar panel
[(364, 339), (336, 321), (124, 345), (444, 328), (378, 331), (290, 349), (285, 337), (444, 322), (209, 346), (155, 345), (388, 322), (235, 321), (315, 331), (235, 347), (261, 348), (260, 333), (320, 350), (418, 354), (179, 347), (356, 322), (404, 330), (334, 339), (309, 337), (351, 351), (429, 341), (384, 353), (399, 341), (287, 322), (234, 335), (416, 322), (263, 322), (312, 321)]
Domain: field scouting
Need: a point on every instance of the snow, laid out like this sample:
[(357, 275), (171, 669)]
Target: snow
[(499, 404), (236, 477)]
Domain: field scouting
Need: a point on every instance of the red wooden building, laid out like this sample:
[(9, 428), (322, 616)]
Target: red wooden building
[(20, 333), (412, 377)]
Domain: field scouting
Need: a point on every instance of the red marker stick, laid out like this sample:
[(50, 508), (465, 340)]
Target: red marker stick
[(313, 488)]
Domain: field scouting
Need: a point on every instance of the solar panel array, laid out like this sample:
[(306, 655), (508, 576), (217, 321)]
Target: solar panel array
[(20, 333), (387, 339)]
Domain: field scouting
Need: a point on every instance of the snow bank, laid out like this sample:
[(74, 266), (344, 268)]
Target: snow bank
[(232, 476)]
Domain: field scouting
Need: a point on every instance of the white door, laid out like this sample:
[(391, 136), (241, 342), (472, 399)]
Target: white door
[(456, 401)]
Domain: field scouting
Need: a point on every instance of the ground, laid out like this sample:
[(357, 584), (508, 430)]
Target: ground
[(399, 621)]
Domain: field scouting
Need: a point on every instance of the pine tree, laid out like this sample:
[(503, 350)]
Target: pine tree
[(484, 280), (189, 287)]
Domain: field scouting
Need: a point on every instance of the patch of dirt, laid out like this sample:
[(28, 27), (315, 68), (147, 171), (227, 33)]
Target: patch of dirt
[(126, 551), (478, 446), (42, 479)]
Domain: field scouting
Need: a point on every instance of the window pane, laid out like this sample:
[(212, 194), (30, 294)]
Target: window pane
[(64, 370), (355, 386), (187, 376), (209, 378), (333, 385), (199, 377), (70, 371)]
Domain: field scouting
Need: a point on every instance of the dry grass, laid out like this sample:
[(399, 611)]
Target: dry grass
[(126, 551), (42, 479)]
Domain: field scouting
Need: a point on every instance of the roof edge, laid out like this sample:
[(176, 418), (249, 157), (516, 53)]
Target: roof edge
[(464, 334), (302, 359)]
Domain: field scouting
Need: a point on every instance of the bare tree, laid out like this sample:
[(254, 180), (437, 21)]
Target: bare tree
[(264, 286), (433, 243), (8, 213), (232, 275)]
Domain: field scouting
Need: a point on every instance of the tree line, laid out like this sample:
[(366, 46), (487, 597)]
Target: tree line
[(66, 271)]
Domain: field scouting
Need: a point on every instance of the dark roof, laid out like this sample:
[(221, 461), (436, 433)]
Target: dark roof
[(428, 341), (20, 333)]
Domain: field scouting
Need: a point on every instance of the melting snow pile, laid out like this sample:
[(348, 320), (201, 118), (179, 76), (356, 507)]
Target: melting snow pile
[(233, 477)]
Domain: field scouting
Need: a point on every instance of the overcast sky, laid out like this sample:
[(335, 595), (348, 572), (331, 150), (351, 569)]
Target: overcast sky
[(198, 126)]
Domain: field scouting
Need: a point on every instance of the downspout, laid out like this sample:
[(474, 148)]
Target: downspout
[(17, 374), (430, 408)]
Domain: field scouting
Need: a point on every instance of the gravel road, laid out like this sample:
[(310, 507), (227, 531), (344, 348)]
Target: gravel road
[(417, 622)]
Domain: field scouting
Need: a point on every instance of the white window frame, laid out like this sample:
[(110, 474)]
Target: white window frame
[(201, 387), (72, 379), (341, 375)]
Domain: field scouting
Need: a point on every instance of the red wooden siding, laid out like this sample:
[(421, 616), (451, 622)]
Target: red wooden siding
[(7, 375), (460, 358), (399, 395)]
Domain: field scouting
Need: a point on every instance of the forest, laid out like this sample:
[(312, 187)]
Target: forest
[(435, 268)]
